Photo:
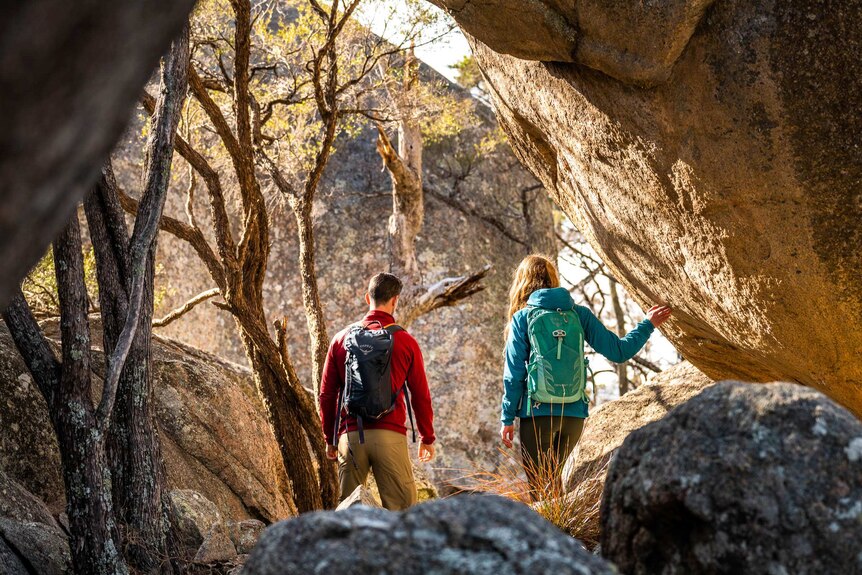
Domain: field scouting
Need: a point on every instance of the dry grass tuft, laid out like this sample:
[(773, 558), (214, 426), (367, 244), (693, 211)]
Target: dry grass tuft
[(575, 512)]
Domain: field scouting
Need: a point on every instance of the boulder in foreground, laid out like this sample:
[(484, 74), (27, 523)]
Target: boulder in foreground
[(475, 534), (741, 478)]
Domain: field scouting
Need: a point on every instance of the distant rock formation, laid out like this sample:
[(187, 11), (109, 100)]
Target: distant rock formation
[(467, 534), (741, 478), (710, 151), (479, 209)]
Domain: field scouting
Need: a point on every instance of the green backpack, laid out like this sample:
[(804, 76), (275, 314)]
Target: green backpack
[(556, 372)]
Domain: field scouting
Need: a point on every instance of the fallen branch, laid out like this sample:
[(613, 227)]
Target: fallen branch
[(186, 307), (445, 293)]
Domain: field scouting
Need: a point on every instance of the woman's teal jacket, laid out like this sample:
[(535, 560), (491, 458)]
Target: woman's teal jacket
[(601, 339)]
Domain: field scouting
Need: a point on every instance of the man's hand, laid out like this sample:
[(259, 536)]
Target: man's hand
[(331, 452), (426, 452), (507, 434), (658, 314)]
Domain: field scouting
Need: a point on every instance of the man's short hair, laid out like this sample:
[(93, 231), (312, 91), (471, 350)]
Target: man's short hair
[(383, 287)]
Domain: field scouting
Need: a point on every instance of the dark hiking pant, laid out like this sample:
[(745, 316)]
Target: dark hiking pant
[(546, 443)]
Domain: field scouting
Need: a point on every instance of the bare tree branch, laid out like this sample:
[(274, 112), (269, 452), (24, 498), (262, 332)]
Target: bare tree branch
[(473, 212), (445, 293), (33, 346), (646, 363), (177, 313), (183, 231)]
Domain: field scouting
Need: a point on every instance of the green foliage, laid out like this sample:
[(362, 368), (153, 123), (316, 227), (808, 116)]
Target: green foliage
[(285, 39), (467, 72), (40, 285)]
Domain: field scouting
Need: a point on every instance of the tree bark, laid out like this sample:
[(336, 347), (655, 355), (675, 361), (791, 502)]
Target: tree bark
[(621, 368), (291, 412), (310, 294), (66, 387), (139, 484), (85, 65)]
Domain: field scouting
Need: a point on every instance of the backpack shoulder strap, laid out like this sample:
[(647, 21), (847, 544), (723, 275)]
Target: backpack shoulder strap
[(393, 328)]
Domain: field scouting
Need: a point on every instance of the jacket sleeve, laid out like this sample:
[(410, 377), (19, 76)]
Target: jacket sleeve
[(330, 387), (420, 394), (515, 369), (607, 343)]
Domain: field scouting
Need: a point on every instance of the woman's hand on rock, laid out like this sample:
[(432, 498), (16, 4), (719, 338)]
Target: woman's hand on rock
[(658, 314), (507, 434)]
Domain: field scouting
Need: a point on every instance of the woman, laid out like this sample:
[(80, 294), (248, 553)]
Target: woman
[(545, 374)]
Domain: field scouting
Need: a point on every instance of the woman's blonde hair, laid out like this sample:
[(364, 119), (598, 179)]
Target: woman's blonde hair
[(534, 272)]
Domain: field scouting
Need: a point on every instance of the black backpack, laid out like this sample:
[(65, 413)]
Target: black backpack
[(367, 392)]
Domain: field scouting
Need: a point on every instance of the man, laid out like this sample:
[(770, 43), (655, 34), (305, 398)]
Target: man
[(384, 447)]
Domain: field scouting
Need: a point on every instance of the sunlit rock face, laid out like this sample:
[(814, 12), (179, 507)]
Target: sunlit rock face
[(715, 163)]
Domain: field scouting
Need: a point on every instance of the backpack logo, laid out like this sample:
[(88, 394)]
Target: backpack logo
[(366, 349)]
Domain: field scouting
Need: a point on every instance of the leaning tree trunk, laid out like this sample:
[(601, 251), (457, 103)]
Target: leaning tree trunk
[(310, 293), (408, 213), (66, 387), (139, 486), (291, 413)]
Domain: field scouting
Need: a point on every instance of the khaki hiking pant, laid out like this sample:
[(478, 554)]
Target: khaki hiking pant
[(385, 454), (546, 443)]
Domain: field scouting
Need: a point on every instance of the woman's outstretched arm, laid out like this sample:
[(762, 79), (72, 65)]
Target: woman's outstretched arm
[(515, 370), (619, 349)]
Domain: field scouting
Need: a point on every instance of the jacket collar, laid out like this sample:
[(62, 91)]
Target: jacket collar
[(377, 315), (553, 298)]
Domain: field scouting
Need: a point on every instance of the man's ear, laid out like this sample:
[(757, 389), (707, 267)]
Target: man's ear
[(395, 301), (367, 298)]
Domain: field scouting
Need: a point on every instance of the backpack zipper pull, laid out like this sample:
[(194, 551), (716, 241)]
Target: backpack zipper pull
[(559, 334)]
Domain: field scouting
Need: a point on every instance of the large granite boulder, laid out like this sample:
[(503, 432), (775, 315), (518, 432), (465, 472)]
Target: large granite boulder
[(467, 534), (585, 472), (215, 439), (31, 540), (741, 478), (711, 153)]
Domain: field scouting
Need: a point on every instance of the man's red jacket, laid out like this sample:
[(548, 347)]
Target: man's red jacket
[(407, 365)]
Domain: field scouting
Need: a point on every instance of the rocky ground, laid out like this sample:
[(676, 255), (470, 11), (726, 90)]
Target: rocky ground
[(738, 478)]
